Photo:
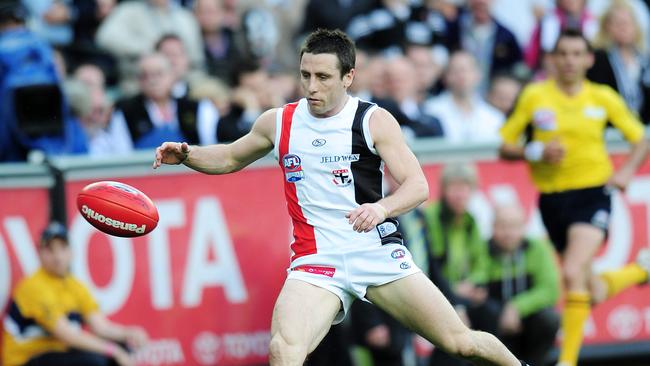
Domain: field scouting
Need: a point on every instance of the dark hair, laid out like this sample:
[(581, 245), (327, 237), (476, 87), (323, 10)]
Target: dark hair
[(54, 230), (167, 37), (12, 10), (331, 41), (572, 33)]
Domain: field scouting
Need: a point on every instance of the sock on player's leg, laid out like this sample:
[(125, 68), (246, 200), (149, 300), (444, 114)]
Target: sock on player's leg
[(576, 311), (622, 278)]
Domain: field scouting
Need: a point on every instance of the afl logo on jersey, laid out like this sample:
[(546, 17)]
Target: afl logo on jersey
[(318, 142), (292, 168)]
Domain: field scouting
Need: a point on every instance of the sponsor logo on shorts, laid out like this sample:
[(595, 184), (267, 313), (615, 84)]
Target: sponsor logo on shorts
[(600, 219), (318, 142), (293, 168), (398, 254), (321, 270), (405, 265), (342, 177), (339, 158)]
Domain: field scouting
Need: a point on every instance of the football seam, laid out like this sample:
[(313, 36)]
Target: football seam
[(124, 207)]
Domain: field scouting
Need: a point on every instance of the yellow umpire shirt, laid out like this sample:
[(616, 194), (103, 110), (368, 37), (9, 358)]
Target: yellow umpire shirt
[(578, 122), (39, 301)]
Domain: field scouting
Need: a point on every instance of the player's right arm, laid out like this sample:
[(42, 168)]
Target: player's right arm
[(222, 158)]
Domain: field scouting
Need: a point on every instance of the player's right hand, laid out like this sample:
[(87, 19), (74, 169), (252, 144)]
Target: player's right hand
[(553, 151), (171, 153)]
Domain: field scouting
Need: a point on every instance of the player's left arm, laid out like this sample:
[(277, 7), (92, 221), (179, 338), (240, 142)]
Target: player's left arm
[(633, 131), (404, 167), (101, 326)]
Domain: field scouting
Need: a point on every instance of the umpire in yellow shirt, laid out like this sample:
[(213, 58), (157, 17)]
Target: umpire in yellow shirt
[(43, 324), (563, 120)]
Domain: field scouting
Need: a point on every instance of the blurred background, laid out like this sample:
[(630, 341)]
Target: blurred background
[(89, 87)]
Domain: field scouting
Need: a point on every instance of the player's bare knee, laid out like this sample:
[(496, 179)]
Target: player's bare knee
[(282, 349), (574, 276), (461, 344)]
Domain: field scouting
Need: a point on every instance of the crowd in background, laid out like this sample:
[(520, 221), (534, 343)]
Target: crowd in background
[(106, 77)]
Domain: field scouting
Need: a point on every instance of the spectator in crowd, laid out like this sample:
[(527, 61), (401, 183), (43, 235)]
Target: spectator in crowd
[(404, 89), (568, 14), (384, 337), (96, 121), (464, 114), (154, 115), (564, 119), (524, 282), (52, 20), (89, 15), (289, 17), (429, 64), (33, 112), (47, 310), (621, 59), (260, 35), (455, 256), (220, 47), (393, 25), (133, 28), (252, 95), (371, 84), (479, 33), (503, 92), (333, 14), (641, 11), (173, 48), (213, 90)]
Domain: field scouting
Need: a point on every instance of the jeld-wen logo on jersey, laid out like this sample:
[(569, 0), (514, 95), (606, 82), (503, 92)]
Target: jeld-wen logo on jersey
[(292, 168)]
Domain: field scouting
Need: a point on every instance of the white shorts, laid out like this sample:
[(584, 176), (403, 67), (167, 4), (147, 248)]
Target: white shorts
[(348, 274)]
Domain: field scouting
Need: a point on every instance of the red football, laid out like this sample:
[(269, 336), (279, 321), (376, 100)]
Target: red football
[(117, 209)]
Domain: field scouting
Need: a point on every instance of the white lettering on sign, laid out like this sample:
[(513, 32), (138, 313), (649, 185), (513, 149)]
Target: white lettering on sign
[(161, 352), (210, 231), (112, 296), (172, 216)]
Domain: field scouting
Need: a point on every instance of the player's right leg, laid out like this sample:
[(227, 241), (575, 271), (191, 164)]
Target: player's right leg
[(302, 316)]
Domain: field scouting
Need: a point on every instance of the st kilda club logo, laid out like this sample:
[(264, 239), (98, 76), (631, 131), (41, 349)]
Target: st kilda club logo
[(342, 177)]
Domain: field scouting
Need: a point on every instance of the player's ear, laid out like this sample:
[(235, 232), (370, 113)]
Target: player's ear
[(348, 78)]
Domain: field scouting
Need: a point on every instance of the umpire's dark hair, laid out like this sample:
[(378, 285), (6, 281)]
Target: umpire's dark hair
[(331, 41), (572, 33)]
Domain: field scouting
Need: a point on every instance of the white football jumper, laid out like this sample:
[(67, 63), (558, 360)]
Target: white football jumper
[(330, 168)]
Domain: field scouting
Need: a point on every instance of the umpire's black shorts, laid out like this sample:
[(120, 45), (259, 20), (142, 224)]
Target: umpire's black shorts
[(560, 210)]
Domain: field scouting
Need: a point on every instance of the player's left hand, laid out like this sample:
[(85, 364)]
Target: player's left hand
[(620, 180), (510, 321), (136, 337), (365, 217)]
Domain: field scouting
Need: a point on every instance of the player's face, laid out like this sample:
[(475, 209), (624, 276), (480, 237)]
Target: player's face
[(56, 257), (572, 59), (322, 83)]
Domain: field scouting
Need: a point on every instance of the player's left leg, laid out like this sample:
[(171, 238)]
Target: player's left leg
[(418, 304)]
